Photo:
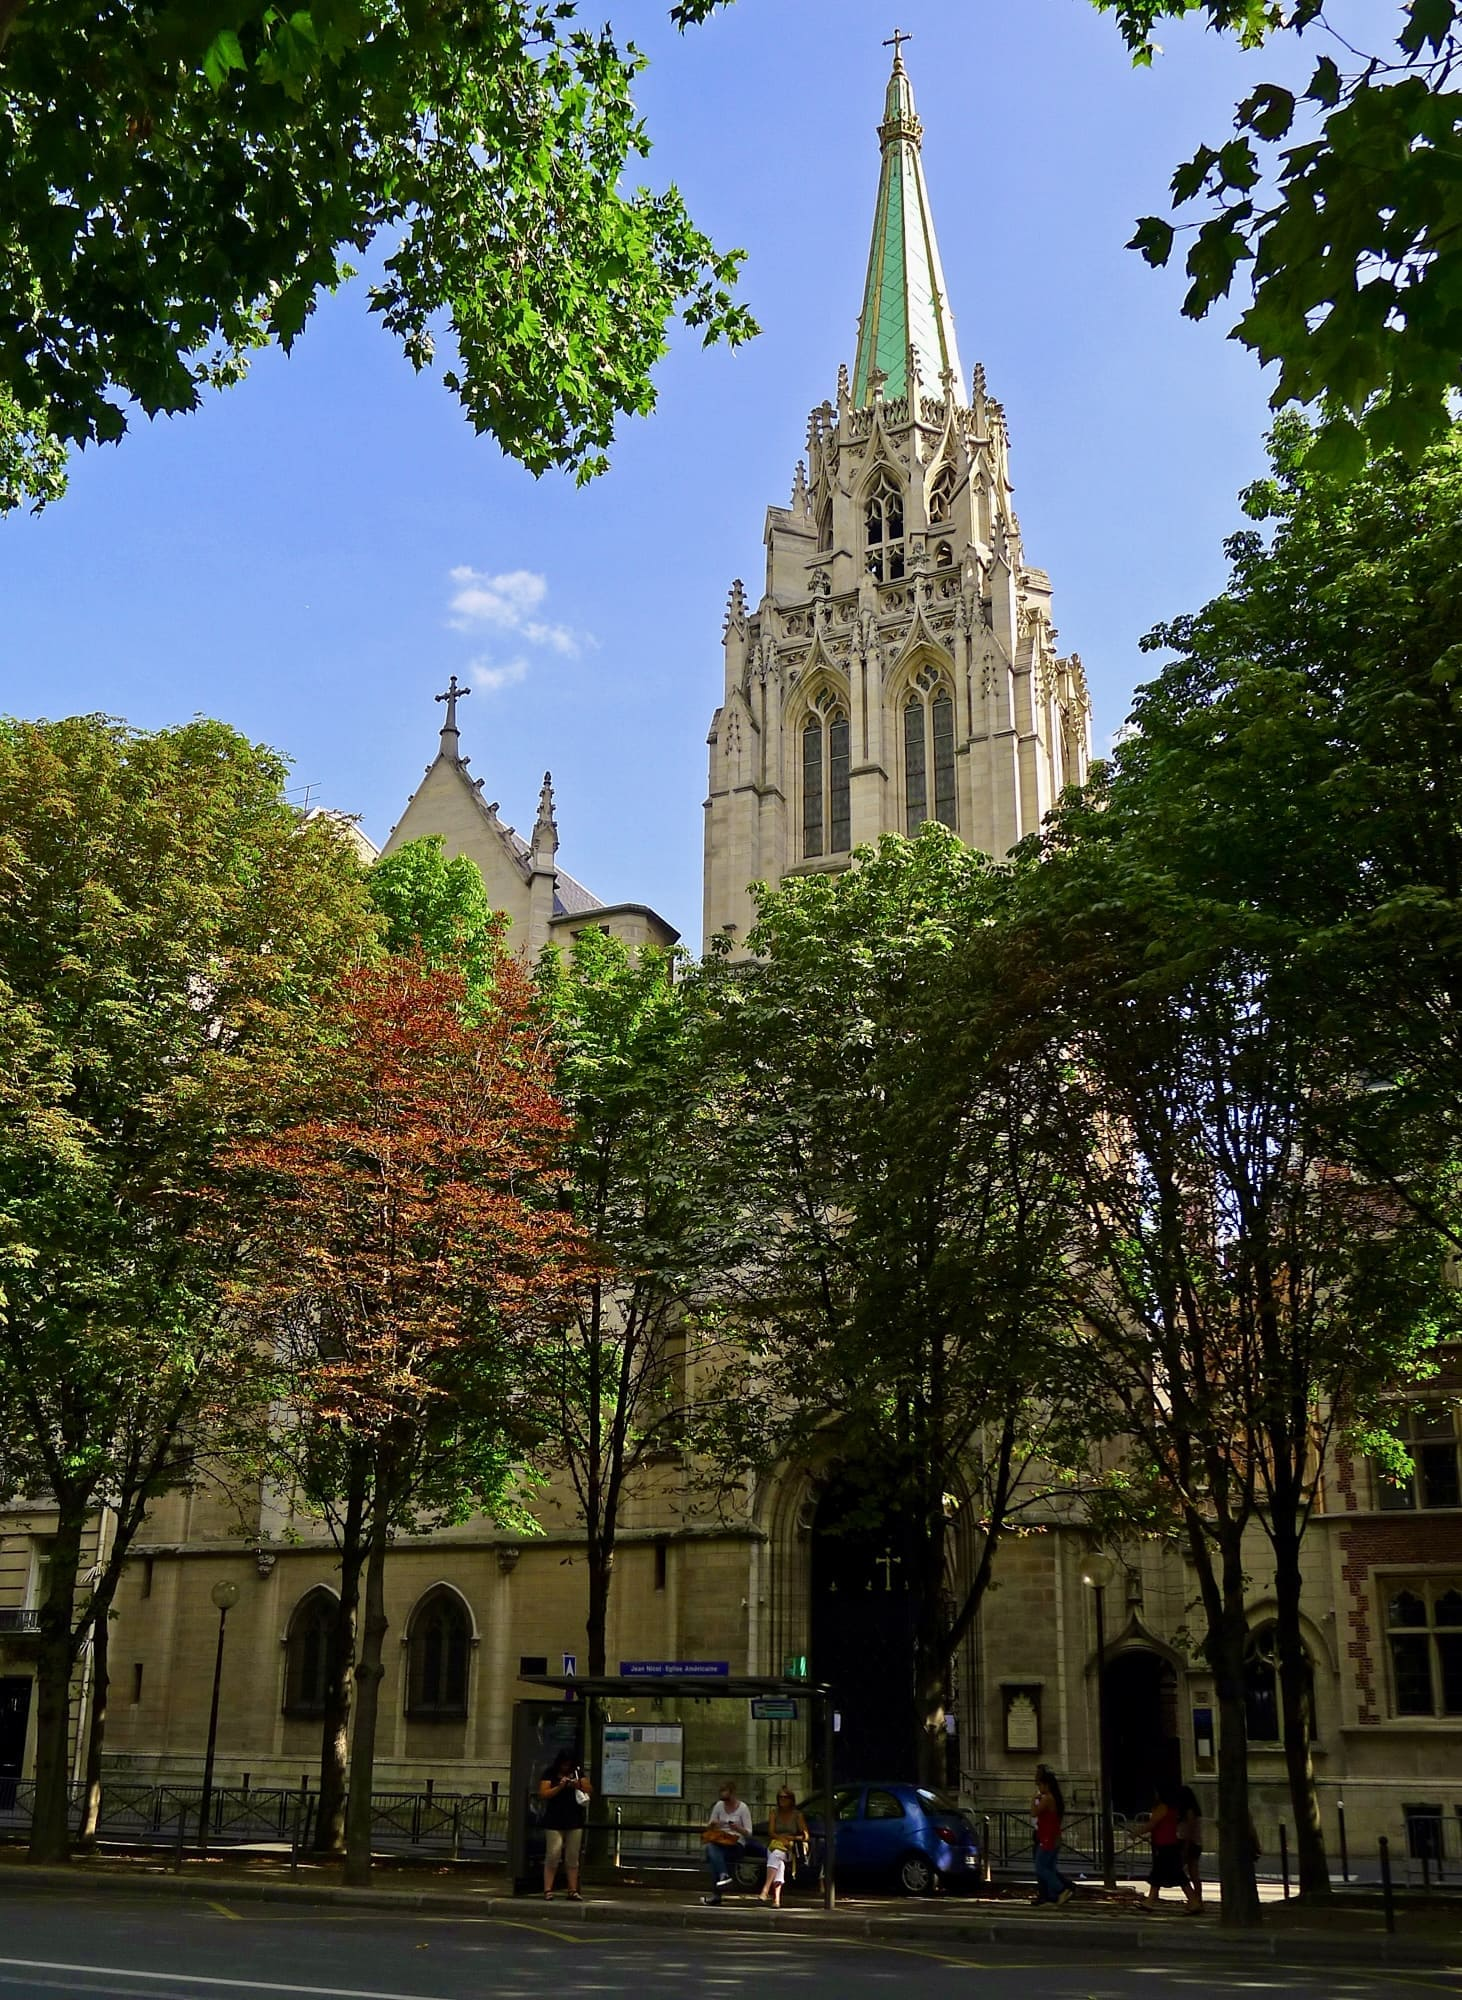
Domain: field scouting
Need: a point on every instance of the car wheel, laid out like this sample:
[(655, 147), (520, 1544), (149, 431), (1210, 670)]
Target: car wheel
[(750, 1871), (916, 1874)]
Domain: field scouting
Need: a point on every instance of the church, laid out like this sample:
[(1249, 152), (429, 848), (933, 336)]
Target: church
[(899, 664)]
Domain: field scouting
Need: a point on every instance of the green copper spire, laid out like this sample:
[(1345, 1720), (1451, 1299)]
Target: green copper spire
[(904, 302)]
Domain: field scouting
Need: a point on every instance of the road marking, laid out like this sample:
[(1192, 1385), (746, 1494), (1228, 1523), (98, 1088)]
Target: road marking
[(224, 1911), (202, 1979)]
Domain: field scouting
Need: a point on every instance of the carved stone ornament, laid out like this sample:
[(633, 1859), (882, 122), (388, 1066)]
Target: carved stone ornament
[(508, 1558)]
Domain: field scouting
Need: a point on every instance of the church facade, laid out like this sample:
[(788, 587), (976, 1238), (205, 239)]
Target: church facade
[(899, 665)]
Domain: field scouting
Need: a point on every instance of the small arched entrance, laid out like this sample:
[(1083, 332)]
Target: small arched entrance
[(1142, 1727), (862, 1628)]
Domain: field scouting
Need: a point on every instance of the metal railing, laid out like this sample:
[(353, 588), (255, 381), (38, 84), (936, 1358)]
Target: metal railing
[(143, 1815), (14, 1621)]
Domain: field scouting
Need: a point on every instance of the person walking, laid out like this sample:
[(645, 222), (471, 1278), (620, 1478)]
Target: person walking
[(1168, 1870), (1190, 1838), (786, 1832), (725, 1838), (1048, 1810), (565, 1793)]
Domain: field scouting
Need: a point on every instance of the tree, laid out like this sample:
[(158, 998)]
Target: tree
[(632, 1069), (183, 182), (1357, 251), (167, 925), (1246, 1299), (1287, 809), (438, 909), (414, 1228), (898, 1256)]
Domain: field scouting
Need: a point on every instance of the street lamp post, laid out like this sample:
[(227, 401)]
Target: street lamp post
[(1097, 1573), (225, 1596)]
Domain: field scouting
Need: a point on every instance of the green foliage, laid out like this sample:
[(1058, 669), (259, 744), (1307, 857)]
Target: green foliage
[(440, 908), (168, 924), (32, 462), (1356, 250), (633, 1070), (183, 182), (1299, 757), (897, 1254)]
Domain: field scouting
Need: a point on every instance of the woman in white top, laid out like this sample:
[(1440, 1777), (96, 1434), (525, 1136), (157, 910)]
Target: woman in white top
[(725, 1838)]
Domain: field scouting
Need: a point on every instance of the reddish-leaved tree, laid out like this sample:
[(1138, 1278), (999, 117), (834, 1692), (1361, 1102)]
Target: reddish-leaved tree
[(417, 1255)]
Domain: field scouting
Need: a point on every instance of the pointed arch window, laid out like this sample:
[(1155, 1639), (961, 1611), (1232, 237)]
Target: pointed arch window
[(928, 752), (436, 1658), (883, 525), (826, 805), (825, 523), (941, 496), (944, 556), (307, 1653)]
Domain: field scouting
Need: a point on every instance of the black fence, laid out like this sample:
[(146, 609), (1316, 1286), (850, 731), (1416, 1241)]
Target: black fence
[(142, 1815)]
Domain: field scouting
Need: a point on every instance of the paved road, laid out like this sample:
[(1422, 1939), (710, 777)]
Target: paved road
[(113, 1948)]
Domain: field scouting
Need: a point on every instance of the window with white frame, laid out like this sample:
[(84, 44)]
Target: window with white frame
[(826, 802), (1424, 1636), (928, 752), (1435, 1480)]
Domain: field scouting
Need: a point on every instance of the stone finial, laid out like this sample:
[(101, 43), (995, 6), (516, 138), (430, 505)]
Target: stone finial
[(545, 826), (801, 498), (845, 387), (735, 619), (913, 370), (876, 379)]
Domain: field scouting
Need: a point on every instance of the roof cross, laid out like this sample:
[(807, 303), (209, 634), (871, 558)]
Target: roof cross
[(452, 696), (896, 41)]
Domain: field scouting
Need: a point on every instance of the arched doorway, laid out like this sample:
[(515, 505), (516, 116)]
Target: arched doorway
[(1142, 1727), (862, 1627)]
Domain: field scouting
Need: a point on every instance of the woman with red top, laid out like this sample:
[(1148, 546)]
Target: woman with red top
[(1169, 1860), (1048, 1809)]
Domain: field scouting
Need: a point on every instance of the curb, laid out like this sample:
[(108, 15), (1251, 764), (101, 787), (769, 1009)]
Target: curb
[(1143, 1938)]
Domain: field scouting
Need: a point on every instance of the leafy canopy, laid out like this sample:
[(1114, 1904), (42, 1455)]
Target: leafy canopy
[(1356, 247), (183, 181), (439, 907)]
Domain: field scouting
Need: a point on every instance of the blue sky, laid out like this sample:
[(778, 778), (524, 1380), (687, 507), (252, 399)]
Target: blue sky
[(313, 553)]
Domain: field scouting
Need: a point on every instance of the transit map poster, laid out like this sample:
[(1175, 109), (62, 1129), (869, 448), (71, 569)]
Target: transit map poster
[(643, 1762)]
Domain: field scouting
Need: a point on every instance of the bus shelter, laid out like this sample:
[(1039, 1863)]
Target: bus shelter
[(553, 1724)]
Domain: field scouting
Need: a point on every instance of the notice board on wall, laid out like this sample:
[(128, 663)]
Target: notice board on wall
[(643, 1762)]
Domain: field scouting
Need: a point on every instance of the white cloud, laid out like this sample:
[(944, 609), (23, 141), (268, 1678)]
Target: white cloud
[(490, 678), (505, 603)]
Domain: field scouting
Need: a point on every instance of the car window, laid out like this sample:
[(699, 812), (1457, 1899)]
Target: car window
[(846, 1803), (883, 1805)]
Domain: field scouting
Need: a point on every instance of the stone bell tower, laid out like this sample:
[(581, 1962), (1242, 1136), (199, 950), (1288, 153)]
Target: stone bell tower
[(901, 664)]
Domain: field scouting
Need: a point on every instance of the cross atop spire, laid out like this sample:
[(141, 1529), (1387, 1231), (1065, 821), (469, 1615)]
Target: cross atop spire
[(452, 696), (904, 303)]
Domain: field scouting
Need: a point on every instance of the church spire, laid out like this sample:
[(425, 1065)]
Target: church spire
[(904, 304)]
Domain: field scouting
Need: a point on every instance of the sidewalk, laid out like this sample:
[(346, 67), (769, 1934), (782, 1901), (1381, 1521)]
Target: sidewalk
[(1103, 1927)]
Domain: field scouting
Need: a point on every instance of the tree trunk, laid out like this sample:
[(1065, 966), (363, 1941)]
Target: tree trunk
[(601, 1575), (50, 1836), (91, 1798), (369, 1673), (335, 1727), (1227, 1637), (1295, 1695)]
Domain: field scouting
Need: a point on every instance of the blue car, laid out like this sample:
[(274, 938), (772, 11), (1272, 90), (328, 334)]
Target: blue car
[(903, 1834)]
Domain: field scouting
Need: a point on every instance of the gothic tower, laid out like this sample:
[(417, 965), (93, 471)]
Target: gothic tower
[(901, 664)]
